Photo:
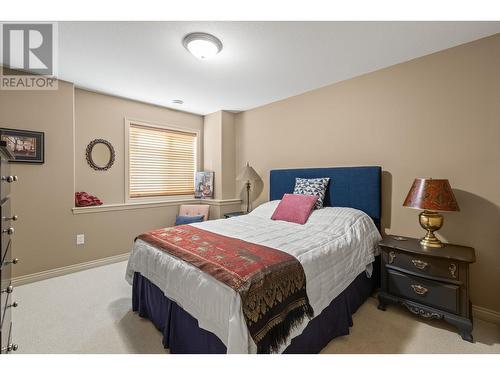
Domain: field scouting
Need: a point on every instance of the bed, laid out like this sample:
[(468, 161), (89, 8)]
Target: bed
[(337, 248)]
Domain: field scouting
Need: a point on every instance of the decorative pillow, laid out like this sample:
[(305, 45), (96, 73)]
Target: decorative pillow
[(295, 208), (180, 220), (312, 186), (265, 210)]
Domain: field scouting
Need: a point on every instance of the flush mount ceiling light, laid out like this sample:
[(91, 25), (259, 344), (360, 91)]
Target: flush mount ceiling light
[(202, 45)]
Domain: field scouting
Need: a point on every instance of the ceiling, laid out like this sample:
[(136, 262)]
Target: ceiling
[(261, 62)]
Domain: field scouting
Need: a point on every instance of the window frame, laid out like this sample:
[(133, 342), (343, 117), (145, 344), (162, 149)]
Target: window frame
[(165, 198)]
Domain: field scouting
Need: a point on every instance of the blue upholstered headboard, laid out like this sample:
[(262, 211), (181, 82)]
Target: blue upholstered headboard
[(356, 187)]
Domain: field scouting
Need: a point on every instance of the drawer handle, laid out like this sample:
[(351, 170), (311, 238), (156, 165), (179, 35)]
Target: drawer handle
[(420, 264), (9, 231), (419, 289), (392, 255), (453, 269), (9, 348), (13, 261), (8, 290), (9, 179)]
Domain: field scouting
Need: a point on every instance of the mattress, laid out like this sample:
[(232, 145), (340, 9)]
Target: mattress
[(334, 246)]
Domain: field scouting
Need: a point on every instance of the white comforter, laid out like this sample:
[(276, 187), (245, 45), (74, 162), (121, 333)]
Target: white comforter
[(334, 246)]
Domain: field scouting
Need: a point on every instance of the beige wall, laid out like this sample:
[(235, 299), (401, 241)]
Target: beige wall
[(436, 116), (212, 149), (102, 116), (43, 198), (219, 152), (228, 155)]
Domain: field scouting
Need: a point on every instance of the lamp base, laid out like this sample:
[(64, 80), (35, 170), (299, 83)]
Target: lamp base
[(431, 241), (431, 221), (248, 196)]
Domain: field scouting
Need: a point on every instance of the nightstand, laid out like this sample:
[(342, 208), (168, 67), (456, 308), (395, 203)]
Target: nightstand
[(233, 214), (430, 282)]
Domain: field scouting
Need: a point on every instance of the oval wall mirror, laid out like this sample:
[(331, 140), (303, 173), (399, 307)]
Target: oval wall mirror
[(100, 154)]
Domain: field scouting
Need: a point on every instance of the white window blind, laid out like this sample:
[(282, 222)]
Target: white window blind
[(162, 162)]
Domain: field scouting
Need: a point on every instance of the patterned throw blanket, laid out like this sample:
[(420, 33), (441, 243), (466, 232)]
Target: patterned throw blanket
[(270, 282)]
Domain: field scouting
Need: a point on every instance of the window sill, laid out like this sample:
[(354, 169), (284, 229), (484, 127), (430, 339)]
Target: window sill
[(143, 205)]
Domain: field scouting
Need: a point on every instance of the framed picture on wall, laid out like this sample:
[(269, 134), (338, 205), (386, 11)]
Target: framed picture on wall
[(26, 145), (204, 185)]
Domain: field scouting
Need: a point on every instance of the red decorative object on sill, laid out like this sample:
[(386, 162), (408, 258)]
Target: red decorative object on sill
[(83, 199)]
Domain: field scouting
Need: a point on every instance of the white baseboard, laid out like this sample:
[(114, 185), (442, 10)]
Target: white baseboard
[(483, 313), (26, 279)]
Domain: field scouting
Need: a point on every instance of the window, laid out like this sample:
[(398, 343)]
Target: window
[(162, 162)]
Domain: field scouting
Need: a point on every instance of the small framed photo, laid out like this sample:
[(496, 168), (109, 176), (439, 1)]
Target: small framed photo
[(204, 185), (26, 145)]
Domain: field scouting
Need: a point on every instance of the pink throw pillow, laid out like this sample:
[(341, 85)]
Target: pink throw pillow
[(295, 208)]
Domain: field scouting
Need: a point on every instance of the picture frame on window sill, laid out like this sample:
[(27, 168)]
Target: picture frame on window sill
[(26, 145), (204, 185)]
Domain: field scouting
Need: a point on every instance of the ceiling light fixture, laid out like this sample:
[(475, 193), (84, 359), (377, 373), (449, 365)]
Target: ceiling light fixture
[(202, 45)]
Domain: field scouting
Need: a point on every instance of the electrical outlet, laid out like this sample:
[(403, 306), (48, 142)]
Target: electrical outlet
[(80, 239)]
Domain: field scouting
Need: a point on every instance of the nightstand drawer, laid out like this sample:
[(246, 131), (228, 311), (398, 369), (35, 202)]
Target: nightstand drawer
[(432, 293), (426, 266)]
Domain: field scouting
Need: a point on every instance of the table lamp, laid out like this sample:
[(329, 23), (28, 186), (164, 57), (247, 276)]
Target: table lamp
[(248, 174), (431, 195)]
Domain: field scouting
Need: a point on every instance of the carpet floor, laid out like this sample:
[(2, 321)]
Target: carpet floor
[(90, 312)]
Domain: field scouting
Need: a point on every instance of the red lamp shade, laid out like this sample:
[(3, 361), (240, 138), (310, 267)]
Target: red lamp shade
[(430, 194)]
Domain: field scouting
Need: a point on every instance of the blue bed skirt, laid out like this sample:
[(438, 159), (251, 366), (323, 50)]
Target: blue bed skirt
[(182, 335)]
